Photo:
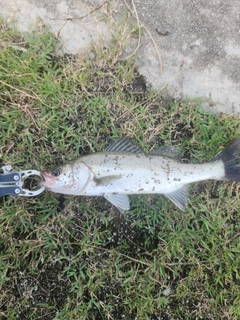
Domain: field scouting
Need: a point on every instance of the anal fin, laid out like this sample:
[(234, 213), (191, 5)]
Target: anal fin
[(179, 197), (120, 201)]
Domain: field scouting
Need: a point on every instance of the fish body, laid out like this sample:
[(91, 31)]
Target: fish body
[(123, 169), (139, 174)]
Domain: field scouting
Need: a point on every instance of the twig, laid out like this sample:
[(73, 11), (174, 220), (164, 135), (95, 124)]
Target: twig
[(234, 237), (5, 44), (149, 33), (155, 45), (78, 18), (25, 93), (138, 22), (149, 264)]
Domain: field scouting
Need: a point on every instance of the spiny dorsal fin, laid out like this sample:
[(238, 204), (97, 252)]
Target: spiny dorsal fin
[(123, 145)]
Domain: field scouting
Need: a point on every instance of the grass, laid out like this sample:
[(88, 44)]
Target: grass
[(77, 258)]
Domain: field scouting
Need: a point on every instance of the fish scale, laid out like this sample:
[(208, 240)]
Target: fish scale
[(141, 174), (124, 169)]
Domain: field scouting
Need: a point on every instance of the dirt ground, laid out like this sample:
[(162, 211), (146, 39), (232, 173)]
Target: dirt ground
[(187, 49)]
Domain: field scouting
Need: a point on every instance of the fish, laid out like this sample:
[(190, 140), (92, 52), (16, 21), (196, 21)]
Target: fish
[(123, 169)]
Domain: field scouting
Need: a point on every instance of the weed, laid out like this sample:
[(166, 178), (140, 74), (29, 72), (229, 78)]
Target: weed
[(77, 258)]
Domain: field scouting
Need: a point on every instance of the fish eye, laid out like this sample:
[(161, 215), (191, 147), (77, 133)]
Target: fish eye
[(57, 172)]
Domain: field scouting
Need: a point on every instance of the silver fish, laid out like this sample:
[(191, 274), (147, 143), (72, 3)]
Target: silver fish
[(123, 169)]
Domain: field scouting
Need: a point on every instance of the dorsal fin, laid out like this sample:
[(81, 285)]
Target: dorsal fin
[(123, 145), (167, 151)]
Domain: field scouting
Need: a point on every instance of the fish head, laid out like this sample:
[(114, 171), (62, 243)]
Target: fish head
[(68, 179), (58, 180)]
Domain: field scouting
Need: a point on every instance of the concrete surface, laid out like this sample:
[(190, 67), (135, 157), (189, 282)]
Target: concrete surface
[(198, 40)]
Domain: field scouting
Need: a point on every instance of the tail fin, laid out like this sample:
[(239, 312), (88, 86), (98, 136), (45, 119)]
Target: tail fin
[(231, 159)]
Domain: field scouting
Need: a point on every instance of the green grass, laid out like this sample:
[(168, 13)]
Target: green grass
[(76, 257)]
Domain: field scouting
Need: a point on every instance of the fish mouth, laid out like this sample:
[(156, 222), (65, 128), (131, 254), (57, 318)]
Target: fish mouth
[(48, 180), (42, 177)]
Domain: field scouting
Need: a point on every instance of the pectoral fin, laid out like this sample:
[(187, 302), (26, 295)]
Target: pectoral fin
[(121, 201), (103, 181), (179, 197)]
